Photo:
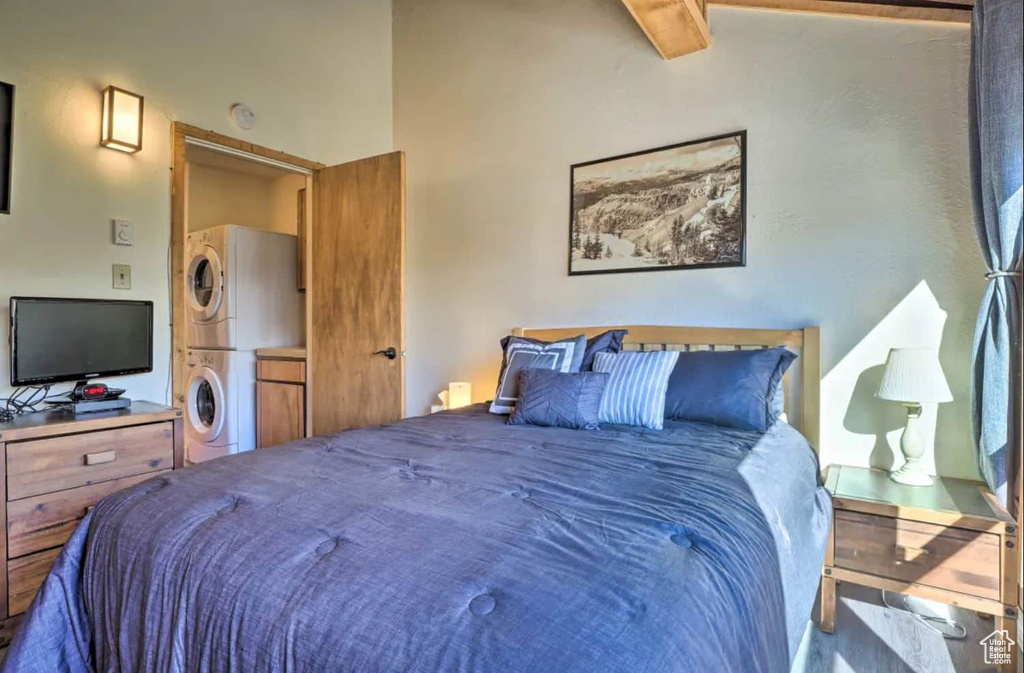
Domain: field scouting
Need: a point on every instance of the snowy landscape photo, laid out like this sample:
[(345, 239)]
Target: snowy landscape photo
[(678, 207)]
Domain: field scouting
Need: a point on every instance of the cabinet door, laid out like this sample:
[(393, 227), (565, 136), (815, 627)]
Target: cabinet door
[(356, 292), (281, 413)]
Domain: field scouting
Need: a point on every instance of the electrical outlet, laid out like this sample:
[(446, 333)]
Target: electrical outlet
[(122, 276)]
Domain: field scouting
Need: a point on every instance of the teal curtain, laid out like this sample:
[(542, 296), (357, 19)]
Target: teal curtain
[(996, 132)]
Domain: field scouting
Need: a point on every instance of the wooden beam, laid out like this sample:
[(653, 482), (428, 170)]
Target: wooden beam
[(950, 11), (674, 27)]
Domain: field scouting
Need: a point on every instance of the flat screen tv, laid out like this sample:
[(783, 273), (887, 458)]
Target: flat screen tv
[(55, 340)]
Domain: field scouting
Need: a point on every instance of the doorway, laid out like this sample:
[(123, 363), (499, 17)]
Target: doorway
[(350, 224)]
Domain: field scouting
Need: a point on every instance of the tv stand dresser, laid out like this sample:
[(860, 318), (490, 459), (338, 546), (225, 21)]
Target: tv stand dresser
[(55, 467)]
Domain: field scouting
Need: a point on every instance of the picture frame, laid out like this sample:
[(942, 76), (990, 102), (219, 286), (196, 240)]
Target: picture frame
[(6, 145), (681, 206)]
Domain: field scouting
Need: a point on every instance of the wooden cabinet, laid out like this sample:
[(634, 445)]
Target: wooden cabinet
[(56, 467), (280, 396), (949, 542)]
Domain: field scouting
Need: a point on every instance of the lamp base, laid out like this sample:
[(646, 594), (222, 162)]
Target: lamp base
[(912, 446), (911, 474)]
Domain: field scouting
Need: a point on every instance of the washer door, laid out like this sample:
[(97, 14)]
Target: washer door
[(205, 284), (206, 404)]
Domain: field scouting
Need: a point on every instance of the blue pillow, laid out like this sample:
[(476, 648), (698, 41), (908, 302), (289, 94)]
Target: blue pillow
[(562, 356), (554, 399), (635, 394), (605, 342), (736, 389)]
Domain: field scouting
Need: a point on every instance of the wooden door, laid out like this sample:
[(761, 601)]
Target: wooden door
[(356, 288)]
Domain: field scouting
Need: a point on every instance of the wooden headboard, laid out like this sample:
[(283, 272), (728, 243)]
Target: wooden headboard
[(804, 342)]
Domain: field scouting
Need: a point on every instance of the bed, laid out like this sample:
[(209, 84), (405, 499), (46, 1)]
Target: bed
[(455, 542)]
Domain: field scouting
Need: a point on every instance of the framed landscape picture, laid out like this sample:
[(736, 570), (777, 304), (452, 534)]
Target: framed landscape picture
[(676, 207), (6, 139)]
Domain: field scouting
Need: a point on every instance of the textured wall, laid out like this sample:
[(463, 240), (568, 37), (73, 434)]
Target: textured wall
[(317, 74), (858, 202)]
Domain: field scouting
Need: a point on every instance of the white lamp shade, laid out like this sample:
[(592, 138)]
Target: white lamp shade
[(460, 394), (914, 375)]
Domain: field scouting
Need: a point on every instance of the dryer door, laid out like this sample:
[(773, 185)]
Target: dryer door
[(205, 284), (206, 408)]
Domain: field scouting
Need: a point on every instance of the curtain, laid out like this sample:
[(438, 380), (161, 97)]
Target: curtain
[(996, 109)]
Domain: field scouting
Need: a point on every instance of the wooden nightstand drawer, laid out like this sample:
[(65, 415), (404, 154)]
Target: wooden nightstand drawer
[(955, 559), (47, 465)]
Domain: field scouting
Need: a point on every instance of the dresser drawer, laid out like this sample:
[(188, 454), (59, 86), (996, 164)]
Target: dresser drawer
[(24, 577), (45, 521), (47, 465), (949, 558)]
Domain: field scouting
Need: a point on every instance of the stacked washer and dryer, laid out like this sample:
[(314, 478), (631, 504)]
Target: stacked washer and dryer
[(242, 295)]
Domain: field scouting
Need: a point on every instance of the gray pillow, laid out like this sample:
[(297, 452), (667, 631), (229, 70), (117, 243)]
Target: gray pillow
[(579, 358), (561, 356), (554, 399)]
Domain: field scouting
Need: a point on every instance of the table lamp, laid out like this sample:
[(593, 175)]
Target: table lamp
[(460, 394), (913, 376)]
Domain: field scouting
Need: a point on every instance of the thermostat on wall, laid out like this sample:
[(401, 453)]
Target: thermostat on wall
[(243, 116), (124, 232)]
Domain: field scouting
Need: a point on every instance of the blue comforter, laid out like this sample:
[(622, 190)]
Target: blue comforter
[(451, 542)]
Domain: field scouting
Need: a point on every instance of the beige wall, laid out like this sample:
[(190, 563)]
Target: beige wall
[(217, 196), (318, 76), (284, 203), (859, 211)]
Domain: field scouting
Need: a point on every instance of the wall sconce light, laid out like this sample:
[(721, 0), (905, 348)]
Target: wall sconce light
[(122, 120)]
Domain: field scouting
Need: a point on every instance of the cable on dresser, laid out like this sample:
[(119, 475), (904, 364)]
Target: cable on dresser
[(24, 400), (959, 632)]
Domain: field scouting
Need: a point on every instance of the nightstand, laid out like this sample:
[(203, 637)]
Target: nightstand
[(950, 542)]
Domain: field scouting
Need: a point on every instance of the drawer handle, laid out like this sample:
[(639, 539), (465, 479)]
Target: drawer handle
[(100, 457), (908, 554)]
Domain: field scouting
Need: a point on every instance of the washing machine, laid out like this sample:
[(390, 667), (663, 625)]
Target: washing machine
[(242, 289), (221, 403)]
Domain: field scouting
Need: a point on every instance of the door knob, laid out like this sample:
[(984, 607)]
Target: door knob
[(390, 353)]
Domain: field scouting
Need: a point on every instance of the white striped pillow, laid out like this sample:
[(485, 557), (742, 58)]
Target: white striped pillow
[(635, 394)]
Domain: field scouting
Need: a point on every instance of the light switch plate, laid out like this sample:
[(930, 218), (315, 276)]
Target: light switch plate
[(122, 276), (124, 232)]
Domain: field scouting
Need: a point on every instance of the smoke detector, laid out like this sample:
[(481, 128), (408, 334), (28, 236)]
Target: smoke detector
[(243, 116)]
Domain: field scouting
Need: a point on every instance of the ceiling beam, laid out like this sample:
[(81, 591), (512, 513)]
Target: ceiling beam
[(679, 27), (674, 27), (953, 11)]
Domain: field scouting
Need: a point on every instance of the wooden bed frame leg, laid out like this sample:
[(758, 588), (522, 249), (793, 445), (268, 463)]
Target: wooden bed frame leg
[(828, 604)]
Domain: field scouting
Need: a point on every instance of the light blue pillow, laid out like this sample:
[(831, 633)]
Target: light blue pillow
[(635, 394)]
